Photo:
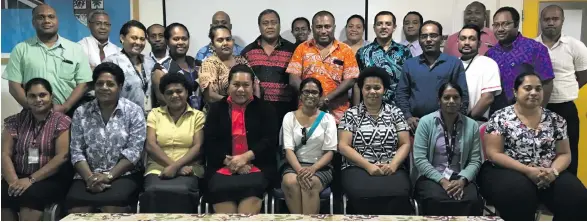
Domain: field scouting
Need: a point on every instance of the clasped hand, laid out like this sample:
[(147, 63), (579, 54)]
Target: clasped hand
[(97, 183), (541, 176), (454, 188), (237, 164), (18, 187), (304, 176), (381, 169)]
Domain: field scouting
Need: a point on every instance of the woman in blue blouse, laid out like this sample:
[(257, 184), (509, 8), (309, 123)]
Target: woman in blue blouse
[(447, 157), (107, 139)]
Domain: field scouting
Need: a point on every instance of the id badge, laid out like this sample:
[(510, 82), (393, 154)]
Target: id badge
[(33, 157), (447, 174)]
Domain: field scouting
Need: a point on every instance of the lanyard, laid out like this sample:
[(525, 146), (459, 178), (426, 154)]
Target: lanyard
[(142, 77), (473, 59), (38, 131), (450, 144)]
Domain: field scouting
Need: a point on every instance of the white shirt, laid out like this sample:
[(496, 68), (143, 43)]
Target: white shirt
[(568, 56), (90, 46), (482, 77), (323, 138)]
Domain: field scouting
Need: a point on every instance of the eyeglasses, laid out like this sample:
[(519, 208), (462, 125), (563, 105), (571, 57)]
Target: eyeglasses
[(304, 138), (432, 35), (504, 25), (106, 24)]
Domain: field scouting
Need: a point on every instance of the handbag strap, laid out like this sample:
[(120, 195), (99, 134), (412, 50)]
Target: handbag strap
[(315, 124)]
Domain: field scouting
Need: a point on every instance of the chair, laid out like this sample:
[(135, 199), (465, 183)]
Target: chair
[(204, 203), (51, 212), (325, 195)]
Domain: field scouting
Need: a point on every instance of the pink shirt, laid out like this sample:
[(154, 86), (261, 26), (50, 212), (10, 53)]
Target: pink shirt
[(488, 40)]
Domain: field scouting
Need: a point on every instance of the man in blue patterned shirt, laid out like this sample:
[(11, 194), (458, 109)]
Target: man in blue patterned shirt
[(384, 52)]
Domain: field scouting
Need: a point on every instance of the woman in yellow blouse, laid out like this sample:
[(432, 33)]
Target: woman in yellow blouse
[(174, 136)]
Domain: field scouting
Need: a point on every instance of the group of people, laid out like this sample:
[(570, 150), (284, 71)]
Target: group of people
[(235, 122)]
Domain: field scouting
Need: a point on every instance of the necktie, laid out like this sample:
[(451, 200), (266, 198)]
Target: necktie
[(102, 54)]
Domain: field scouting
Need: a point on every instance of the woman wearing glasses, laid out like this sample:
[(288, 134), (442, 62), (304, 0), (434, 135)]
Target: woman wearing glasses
[(374, 142), (309, 142)]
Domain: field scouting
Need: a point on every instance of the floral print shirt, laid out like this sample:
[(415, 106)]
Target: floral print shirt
[(528, 146), (101, 144)]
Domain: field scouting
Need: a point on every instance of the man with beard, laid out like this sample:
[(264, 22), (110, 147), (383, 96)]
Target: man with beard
[(328, 60), (300, 29), (474, 15), (159, 53), (569, 62), (513, 51), (269, 56), (49, 56), (219, 18), (481, 71), (412, 23), (422, 76), (97, 46)]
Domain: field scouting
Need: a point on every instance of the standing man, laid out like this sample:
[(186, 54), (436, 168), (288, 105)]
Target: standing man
[(300, 29), (219, 18), (474, 15), (513, 50), (481, 71), (49, 56), (569, 62), (412, 23), (98, 46), (384, 53), (328, 60), (159, 53), (269, 56), (417, 91)]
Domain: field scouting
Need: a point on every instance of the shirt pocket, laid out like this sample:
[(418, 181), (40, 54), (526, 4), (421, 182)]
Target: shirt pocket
[(67, 70)]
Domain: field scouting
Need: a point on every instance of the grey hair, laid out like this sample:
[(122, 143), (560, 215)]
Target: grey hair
[(96, 12)]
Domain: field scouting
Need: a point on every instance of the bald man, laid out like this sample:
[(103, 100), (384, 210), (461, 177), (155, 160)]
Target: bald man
[(569, 63), (474, 15), (219, 18), (49, 56)]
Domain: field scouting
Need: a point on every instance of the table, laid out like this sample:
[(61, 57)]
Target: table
[(264, 217)]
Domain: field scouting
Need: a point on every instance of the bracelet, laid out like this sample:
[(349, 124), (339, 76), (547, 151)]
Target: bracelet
[(32, 179)]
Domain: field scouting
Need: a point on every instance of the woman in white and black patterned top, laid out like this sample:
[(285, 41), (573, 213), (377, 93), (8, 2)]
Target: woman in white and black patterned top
[(528, 151), (374, 142)]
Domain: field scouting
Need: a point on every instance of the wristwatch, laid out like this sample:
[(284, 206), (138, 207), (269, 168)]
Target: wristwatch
[(32, 179), (109, 176)]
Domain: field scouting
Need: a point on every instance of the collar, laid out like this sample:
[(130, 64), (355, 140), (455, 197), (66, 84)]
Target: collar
[(164, 59), (374, 43), (441, 58), (57, 43), (516, 41), (410, 44), (141, 59), (438, 118), (279, 41), (30, 113), (95, 106), (335, 44), (363, 109), (562, 39), (98, 42), (189, 109)]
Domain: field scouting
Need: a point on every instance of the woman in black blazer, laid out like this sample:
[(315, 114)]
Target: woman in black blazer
[(241, 137)]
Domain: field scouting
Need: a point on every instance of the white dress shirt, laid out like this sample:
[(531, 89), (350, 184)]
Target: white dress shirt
[(90, 46)]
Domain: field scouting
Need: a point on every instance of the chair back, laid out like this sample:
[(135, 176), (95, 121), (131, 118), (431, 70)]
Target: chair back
[(482, 135)]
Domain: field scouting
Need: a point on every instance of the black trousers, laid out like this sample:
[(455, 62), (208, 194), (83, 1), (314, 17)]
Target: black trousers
[(568, 111), (516, 197), (435, 201), (177, 195)]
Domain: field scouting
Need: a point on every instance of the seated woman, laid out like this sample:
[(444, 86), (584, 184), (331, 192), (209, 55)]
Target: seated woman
[(447, 156), (528, 151), (241, 134), (107, 139), (174, 137), (35, 147), (309, 141), (374, 142)]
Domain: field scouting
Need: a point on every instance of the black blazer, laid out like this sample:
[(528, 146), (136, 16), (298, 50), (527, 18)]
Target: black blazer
[(262, 135)]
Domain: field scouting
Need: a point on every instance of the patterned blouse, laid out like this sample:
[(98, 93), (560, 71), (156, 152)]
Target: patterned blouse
[(375, 139), (27, 132), (137, 83), (103, 145), (526, 145), (214, 73)]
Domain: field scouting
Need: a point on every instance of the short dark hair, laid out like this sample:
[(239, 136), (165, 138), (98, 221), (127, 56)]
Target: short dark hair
[(265, 12), (213, 30), (300, 19), (515, 14), (447, 85), (524, 69), (38, 81), (312, 80), (355, 16), (174, 78), (111, 68), (154, 25), (474, 27), (377, 72), (241, 68), (385, 13), (415, 13), (132, 23), (170, 27), (323, 13), (437, 24), (554, 6), (478, 3)]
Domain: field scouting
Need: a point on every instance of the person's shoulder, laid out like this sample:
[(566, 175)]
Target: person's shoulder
[(486, 60), (129, 106), (429, 118)]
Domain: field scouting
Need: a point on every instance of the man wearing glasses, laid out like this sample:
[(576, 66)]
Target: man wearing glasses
[(513, 50), (97, 46)]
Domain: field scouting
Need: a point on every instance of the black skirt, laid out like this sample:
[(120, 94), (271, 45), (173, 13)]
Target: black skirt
[(123, 192), (234, 188), (177, 195), (38, 195)]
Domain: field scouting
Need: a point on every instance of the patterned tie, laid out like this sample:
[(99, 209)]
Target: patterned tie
[(102, 54)]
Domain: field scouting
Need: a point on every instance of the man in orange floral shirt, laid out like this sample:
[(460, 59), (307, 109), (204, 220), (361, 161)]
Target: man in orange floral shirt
[(332, 62)]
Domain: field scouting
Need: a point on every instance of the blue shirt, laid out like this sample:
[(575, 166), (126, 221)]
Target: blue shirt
[(391, 60), (417, 90), (207, 51)]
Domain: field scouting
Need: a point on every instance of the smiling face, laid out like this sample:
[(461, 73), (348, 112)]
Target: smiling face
[(354, 29), (323, 29), (240, 87), (100, 27), (430, 38), (134, 41), (468, 42), (529, 94), (475, 14), (175, 96), (106, 87), (157, 38), (450, 102), (301, 30), (45, 20), (39, 99), (373, 90), (179, 41), (384, 26), (310, 95), (504, 27), (412, 25)]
